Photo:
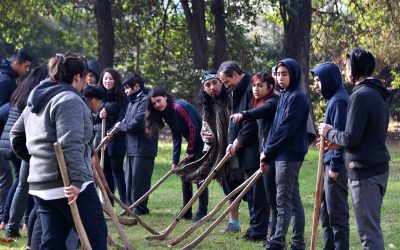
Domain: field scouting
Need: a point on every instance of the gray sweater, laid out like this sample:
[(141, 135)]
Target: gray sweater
[(55, 113)]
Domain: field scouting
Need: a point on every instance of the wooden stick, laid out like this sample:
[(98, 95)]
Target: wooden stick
[(103, 134), (195, 242), (106, 139), (318, 193), (73, 206), (198, 224), (121, 220), (164, 234)]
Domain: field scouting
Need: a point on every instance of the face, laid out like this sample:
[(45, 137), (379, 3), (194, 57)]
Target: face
[(283, 77), (108, 81), (79, 82), (317, 85), (21, 68), (129, 91), (348, 71), (159, 103), (91, 79), (260, 89), (230, 82), (213, 87), (95, 105)]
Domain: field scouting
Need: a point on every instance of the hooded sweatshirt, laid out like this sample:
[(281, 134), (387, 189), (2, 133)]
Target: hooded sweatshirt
[(364, 139), (7, 81), (336, 111), (55, 113), (287, 139)]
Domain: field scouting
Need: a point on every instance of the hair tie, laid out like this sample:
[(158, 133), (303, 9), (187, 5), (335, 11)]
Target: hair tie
[(63, 59)]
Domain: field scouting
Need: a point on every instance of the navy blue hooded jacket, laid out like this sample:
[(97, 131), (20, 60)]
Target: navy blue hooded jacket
[(287, 139), (184, 120), (7, 81), (336, 109)]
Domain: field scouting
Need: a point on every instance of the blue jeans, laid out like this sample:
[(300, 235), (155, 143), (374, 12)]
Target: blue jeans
[(56, 220), (17, 166)]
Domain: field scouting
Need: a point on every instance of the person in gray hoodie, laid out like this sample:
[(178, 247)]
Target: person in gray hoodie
[(57, 113)]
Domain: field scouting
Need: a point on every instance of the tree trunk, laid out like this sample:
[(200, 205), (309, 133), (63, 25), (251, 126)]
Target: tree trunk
[(105, 33), (196, 23), (221, 45), (296, 17)]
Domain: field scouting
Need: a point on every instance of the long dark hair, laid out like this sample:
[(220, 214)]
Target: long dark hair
[(20, 96), (266, 78), (223, 99), (118, 90), (153, 118)]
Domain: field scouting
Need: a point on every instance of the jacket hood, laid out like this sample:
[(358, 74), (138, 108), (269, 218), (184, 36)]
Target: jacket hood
[(5, 68), (94, 67), (44, 92), (294, 72), (375, 84), (330, 77)]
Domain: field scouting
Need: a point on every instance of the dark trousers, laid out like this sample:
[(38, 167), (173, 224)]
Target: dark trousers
[(288, 202), (6, 180), (334, 214), (187, 191), (270, 189), (115, 176), (138, 172), (56, 220), (367, 196), (17, 166), (257, 203)]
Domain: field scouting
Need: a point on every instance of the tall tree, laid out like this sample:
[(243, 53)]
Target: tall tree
[(105, 33), (196, 22), (221, 45), (296, 18)]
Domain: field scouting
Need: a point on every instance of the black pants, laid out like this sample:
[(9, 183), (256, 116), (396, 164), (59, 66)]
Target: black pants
[(138, 172), (187, 190), (270, 189), (115, 176)]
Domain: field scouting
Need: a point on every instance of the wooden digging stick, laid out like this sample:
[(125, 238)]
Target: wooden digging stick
[(195, 242), (164, 234), (103, 134), (73, 206), (147, 194), (113, 216), (198, 224), (318, 193), (106, 139)]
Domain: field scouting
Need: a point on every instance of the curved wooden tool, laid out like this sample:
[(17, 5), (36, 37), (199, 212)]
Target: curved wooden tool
[(194, 243), (164, 234), (106, 138), (114, 244), (122, 220)]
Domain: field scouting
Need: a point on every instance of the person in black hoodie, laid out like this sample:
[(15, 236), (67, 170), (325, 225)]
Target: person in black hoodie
[(364, 143), (287, 145), (94, 72), (18, 66), (243, 141), (334, 213), (184, 121), (140, 148)]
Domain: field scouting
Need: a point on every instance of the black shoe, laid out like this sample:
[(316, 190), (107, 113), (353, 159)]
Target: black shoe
[(139, 212), (188, 215), (295, 248), (12, 233), (199, 216), (272, 246), (251, 237)]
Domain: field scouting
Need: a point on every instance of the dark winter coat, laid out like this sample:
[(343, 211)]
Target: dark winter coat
[(138, 143), (5, 146), (336, 111), (184, 120), (246, 130), (287, 139), (7, 81), (367, 122), (4, 111)]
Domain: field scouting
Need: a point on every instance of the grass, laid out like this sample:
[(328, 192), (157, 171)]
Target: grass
[(166, 202)]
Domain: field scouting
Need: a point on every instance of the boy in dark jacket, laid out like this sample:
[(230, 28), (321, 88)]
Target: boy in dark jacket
[(334, 208), (286, 146), (364, 143), (243, 141)]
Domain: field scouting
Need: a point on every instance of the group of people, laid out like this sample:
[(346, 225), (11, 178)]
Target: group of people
[(261, 121)]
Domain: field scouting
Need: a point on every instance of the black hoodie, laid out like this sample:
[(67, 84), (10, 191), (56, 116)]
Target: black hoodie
[(7, 81), (367, 122)]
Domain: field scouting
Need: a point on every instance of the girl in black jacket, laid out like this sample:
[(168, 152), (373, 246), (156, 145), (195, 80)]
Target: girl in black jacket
[(183, 120), (114, 111)]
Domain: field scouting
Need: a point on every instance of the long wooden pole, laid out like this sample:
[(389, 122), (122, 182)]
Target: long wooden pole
[(318, 194), (103, 134), (73, 206)]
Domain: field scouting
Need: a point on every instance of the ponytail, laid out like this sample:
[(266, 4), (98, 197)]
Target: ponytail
[(62, 68)]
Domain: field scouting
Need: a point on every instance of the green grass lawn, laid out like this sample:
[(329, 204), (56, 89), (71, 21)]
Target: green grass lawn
[(166, 202)]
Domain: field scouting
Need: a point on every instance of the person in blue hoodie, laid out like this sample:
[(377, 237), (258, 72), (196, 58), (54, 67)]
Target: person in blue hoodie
[(334, 213), (286, 146), (184, 121), (364, 142)]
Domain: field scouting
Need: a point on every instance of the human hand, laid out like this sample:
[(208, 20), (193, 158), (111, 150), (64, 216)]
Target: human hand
[(324, 128), (188, 156), (230, 150), (71, 193), (207, 137), (333, 175), (328, 145), (103, 113), (236, 117)]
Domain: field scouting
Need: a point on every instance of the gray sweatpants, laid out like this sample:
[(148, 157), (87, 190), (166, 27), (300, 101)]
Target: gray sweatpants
[(367, 196), (335, 211), (288, 201)]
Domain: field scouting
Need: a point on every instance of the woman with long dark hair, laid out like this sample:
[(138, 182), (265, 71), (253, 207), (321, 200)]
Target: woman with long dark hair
[(57, 113), (184, 121), (114, 111)]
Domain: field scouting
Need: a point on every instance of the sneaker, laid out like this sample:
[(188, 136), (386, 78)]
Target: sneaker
[(230, 228), (12, 234), (199, 216), (3, 226)]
